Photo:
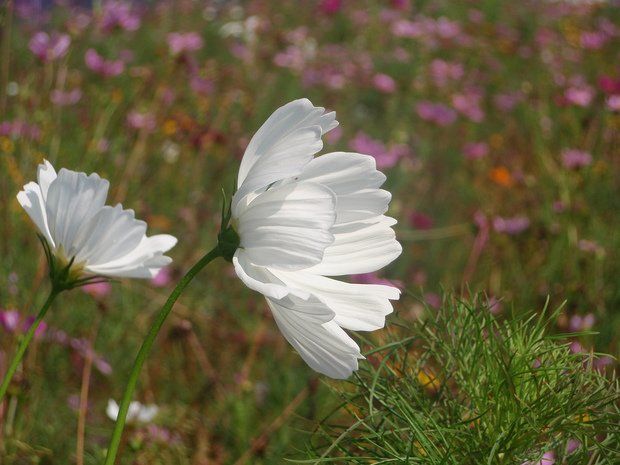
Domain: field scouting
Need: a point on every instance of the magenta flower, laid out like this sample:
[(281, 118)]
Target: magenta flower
[(579, 95), (581, 323), (468, 104), (475, 150), (574, 159), (507, 101), (201, 85), (593, 40), (437, 113), (373, 278), (613, 102), (106, 68), (330, 7), (64, 98), (119, 14), (9, 320), (18, 128), (384, 83), (145, 121), (421, 220), (384, 157), (49, 48), (98, 290), (39, 331), (163, 278), (442, 72), (181, 42), (511, 226), (609, 85)]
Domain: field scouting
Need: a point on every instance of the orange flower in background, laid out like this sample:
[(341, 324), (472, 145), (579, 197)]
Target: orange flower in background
[(502, 176), (428, 379)]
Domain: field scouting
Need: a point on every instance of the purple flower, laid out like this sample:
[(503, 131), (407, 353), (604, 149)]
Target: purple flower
[(385, 158), (613, 102), (442, 72), (507, 101), (330, 7), (9, 319), (581, 323), (421, 220), (119, 14), (437, 113), (98, 290), (106, 68), (511, 226), (180, 42), (572, 445), (475, 150), (137, 120), (17, 128), (39, 331), (49, 48), (593, 40), (468, 104), (573, 159), (162, 278), (384, 83), (201, 85), (63, 98), (579, 95)]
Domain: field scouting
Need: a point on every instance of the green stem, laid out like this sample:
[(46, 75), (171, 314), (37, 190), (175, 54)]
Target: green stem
[(146, 348), (25, 341)]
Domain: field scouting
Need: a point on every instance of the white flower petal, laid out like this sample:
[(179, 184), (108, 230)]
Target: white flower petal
[(363, 248), (260, 279), (282, 146), (32, 201), (110, 234), (72, 199), (144, 261), (288, 226), (359, 307), (354, 179), (112, 410), (46, 174), (324, 346)]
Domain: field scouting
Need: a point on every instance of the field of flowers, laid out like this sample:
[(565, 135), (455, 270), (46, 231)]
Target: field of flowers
[(497, 124)]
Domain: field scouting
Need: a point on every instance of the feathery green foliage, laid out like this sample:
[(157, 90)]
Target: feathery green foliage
[(467, 388)]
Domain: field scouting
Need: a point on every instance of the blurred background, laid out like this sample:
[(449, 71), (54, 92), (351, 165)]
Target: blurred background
[(496, 123)]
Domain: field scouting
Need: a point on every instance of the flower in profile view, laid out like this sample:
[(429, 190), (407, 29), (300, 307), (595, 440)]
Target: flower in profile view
[(574, 159), (301, 220), (137, 413), (49, 48), (84, 236), (180, 42), (98, 64)]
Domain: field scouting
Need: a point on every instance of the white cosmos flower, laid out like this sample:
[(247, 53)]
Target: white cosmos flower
[(137, 412), (301, 219), (69, 210)]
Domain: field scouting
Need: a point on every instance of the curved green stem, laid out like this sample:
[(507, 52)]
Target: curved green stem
[(146, 348), (25, 341)]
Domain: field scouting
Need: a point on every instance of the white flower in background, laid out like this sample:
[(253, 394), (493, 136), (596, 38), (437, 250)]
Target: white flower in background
[(97, 239), (137, 412), (301, 219)]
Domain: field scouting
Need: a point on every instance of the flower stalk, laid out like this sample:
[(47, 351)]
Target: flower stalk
[(217, 251), (26, 340)]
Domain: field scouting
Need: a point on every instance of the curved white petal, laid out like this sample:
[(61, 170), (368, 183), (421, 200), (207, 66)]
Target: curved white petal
[(109, 235), (354, 179), (144, 261), (72, 199), (288, 226), (282, 146), (32, 201), (359, 307), (323, 345), (260, 279), (360, 247), (46, 174)]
